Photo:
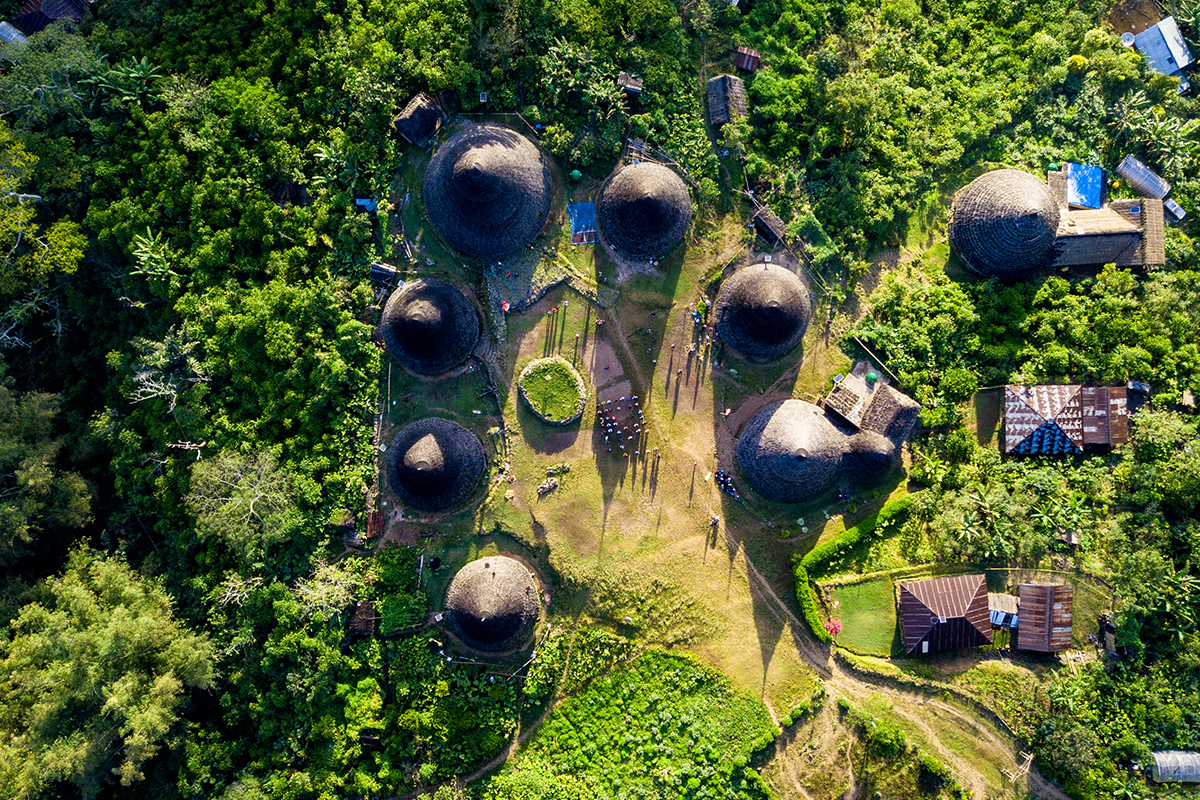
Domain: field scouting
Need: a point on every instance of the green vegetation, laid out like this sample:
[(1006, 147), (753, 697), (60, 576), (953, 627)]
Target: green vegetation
[(867, 612), (661, 725), (553, 389)]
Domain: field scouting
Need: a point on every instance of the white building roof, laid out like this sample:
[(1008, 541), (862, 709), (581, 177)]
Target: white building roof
[(1164, 47)]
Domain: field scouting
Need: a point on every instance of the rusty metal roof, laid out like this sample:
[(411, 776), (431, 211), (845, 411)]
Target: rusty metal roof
[(947, 613), (1046, 617)]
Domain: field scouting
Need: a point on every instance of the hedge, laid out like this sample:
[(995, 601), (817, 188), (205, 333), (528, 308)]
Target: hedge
[(818, 556)]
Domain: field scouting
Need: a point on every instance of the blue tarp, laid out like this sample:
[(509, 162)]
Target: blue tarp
[(583, 223), (1085, 186)]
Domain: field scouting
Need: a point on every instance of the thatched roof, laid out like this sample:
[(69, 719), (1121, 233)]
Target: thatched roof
[(869, 456), (763, 311), (644, 210), (1003, 224), (435, 464), (790, 451), (420, 119), (430, 326), (726, 98), (487, 191), (492, 603)]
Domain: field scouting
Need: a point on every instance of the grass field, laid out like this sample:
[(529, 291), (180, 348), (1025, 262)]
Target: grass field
[(868, 614), (552, 388)]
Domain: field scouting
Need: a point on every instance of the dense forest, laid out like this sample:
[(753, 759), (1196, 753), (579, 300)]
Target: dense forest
[(188, 378)]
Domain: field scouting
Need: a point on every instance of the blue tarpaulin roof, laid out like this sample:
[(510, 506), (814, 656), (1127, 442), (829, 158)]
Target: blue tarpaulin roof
[(1085, 186), (583, 223)]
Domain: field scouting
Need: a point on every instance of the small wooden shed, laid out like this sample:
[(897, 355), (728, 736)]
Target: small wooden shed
[(1045, 617), (769, 226)]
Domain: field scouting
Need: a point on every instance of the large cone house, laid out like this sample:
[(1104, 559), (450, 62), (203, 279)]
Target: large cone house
[(1003, 225), (430, 326), (435, 464), (791, 452), (643, 210), (492, 604), (763, 311), (487, 191)]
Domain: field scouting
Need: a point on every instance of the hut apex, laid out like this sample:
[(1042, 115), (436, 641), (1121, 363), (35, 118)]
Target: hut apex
[(487, 191), (945, 614), (421, 118), (762, 311), (430, 326), (435, 464), (643, 210), (493, 604), (726, 99), (1059, 419)]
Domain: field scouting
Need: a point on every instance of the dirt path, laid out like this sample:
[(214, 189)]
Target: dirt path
[(923, 711)]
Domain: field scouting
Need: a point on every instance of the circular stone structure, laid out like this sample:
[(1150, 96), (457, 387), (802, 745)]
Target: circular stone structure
[(553, 390), (644, 210), (435, 464), (492, 604), (790, 451), (1003, 225), (762, 311), (430, 326), (487, 191)]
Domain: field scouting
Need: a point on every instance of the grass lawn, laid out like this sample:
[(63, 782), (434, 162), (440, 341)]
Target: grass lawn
[(868, 614), (551, 387)]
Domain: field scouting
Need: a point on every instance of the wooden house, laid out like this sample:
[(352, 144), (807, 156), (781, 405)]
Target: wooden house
[(726, 99), (1045, 617), (864, 400), (1090, 231), (947, 613)]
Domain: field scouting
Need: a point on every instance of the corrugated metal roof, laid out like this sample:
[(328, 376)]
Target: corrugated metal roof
[(1164, 47), (1175, 765), (1143, 179), (947, 613), (1085, 185), (746, 59), (1042, 420), (1046, 617), (10, 35)]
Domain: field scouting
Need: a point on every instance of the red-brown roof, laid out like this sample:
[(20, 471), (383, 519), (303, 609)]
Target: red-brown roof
[(1045, 617), (746, 59), (945, 614)]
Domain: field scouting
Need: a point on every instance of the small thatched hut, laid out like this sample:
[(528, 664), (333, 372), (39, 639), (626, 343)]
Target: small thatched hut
[(763, 311), (487, 191), (726, 99), (790, 451), (492, 604), (430, 326), (869, 456), (644, 210), (435, 464), (1003, 225), (420, 119)]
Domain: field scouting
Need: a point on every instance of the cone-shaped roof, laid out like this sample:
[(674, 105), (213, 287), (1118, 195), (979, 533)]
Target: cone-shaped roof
[(644, 210), (492, 603), (1003, 224), (487, 191), (763, 311), (869, 456), (430, 326), (435, 464), (790, 451)]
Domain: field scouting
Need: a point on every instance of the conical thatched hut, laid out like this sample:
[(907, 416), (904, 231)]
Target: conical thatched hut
[(644, 210), (492, 604), (763, 311), (430, 326), (487, 191), (435, 464), (791, 452), (1003, 225), (869, 456)]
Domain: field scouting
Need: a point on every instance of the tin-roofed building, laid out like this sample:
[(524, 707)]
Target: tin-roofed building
[(1164, 48), (1063, 419), (38, 14), (726, 99), (1046, 612), (746, 59), (947, 613)]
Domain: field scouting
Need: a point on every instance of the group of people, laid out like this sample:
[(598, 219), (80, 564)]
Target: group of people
[(623, 424), (725, 484)]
